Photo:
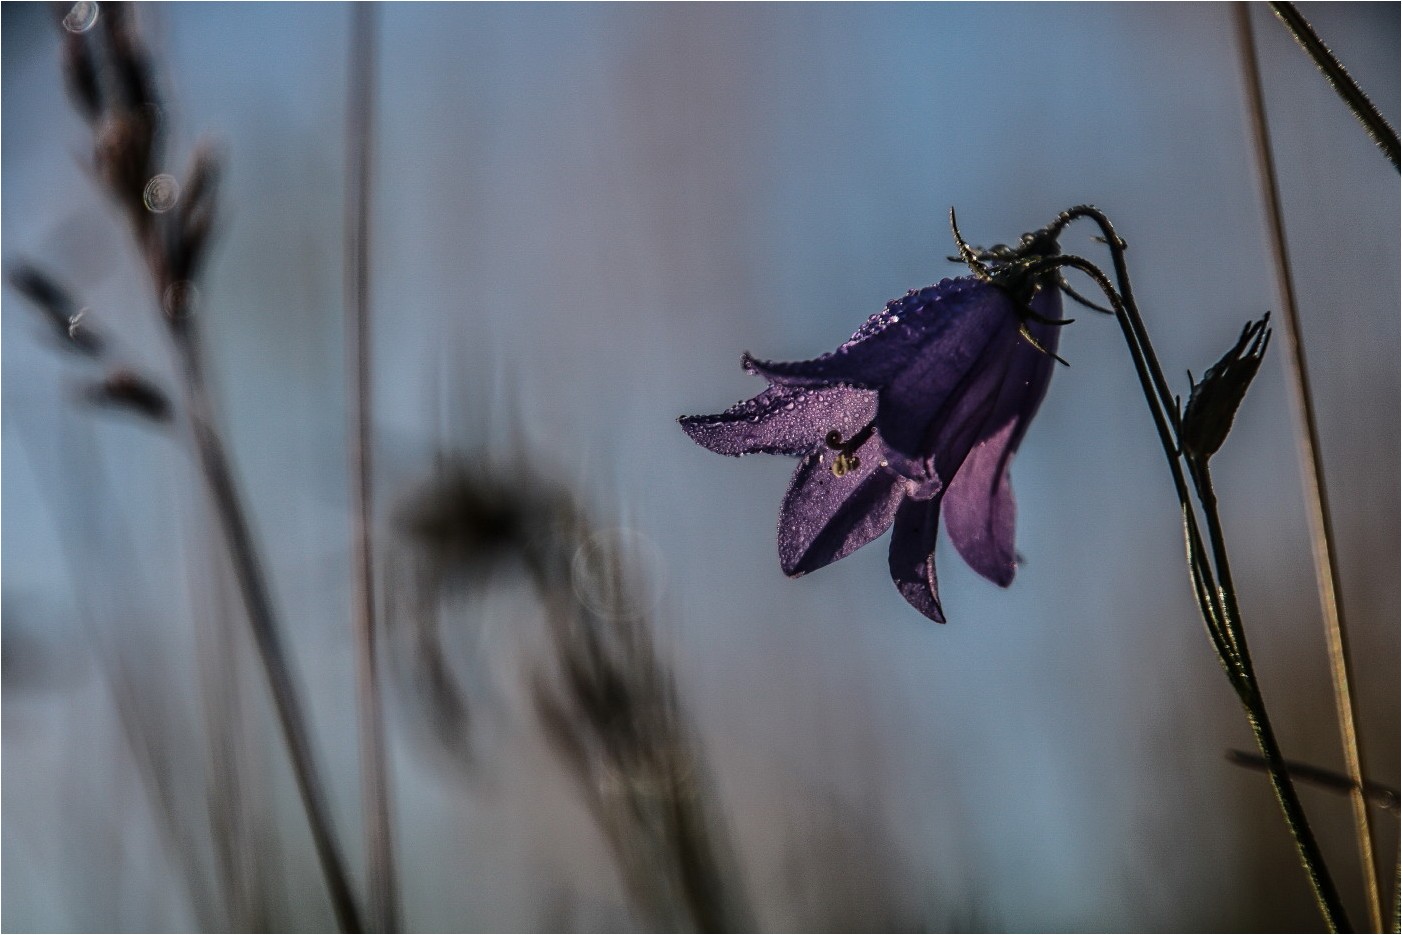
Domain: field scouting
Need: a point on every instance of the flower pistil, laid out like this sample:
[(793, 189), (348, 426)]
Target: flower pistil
[(847, 459)]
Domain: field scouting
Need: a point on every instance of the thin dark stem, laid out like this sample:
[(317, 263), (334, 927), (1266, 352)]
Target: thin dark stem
[(1217, 602), (1077, 297), (1310, 854), (1145, 364), (379, 841), (1117, 247), (1202, 483), (1216, 607), (1209, 600), (1236, 660), (224, 497), (1150, 375), (1340, 80), (1230, 612), (1255, 705), (1312, 471), (1154, 386)]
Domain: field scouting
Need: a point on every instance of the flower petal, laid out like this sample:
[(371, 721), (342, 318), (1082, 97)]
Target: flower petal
[(885, 344), (912, 555), (784, 420), (964, 386), (1031, 370), (936, 410), (979, 510), (825, 517), (979, 513)]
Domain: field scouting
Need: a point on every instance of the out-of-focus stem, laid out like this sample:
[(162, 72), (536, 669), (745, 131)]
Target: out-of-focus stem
[(95, 544), (224, 498), (1311, 469), (379, 842), (1379, 795)]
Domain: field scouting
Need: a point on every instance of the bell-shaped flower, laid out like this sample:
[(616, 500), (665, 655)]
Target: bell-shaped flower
[(918, 413)]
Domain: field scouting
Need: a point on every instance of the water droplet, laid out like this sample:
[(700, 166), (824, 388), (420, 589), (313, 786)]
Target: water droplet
[(789, 405), (161, 193), (81, 16), (180, 299), (618, 574), (753, 420)]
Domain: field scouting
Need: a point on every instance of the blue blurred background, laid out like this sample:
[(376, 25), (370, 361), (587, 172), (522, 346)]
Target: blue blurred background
[(582, 215)]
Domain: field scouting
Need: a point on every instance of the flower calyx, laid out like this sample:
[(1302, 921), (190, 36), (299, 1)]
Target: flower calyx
[(1020, 271)]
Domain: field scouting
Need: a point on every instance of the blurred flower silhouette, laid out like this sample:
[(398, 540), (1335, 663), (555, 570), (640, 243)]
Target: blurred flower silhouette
[(923, 407)]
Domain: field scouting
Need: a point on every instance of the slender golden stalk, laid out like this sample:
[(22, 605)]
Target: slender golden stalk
[(379, 843), (1326, 570)]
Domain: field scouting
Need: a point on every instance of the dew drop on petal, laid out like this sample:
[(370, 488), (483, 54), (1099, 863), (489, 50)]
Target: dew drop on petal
[(81, 17), (161, 193)]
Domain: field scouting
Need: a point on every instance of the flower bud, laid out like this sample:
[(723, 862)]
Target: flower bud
[(1213, 402)]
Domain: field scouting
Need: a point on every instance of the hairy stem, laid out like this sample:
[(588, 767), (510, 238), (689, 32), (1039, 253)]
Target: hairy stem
[(1217, 601), (1250, 693), (1340, 80)]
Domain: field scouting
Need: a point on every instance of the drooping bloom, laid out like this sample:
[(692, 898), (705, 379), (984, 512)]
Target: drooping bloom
[(918, 414)]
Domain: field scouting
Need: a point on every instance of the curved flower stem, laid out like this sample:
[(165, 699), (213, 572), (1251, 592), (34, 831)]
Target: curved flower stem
[(1240, 670), (1215, 593), (1146, 367), (1340, 80)]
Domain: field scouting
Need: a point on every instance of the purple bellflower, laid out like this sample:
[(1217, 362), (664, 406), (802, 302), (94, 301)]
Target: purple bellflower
[(918, 414)]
